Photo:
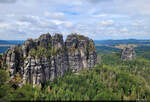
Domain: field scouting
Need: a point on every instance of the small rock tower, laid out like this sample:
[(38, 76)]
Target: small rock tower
[(128, 53)]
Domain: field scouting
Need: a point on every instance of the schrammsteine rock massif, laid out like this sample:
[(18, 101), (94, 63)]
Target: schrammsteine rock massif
[(49, 57)]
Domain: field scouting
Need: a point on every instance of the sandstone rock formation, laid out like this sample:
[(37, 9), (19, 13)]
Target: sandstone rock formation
[(1, 61), (81, 52), (48, 57), (128, 53)]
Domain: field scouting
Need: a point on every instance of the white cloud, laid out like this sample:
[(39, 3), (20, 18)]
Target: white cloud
[(68, 24), (135, 24), (110, 16), (23, 23), (134, 6), (3, 25), (124, 30), (55, 15), (99, 19), (107, 22), (57, 22)]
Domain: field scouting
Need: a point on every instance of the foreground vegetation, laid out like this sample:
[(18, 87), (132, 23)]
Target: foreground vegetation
[(113, 80)]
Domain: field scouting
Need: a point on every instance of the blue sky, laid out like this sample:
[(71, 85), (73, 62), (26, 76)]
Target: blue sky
[(97, 19)]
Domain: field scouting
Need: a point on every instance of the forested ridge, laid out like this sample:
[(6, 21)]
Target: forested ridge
[(111, 79), (114, 79)]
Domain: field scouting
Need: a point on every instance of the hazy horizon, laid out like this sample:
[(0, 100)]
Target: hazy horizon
[(93, 39)]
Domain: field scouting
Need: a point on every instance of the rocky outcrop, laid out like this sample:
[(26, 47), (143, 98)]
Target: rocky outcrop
[(46, 60), (81, 52), (1, 61), (48, 57), (128, 53), (13, 60), (99, 60)]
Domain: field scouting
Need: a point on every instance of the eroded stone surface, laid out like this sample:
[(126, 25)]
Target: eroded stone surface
[(49, 57), (81, 52), (128, 53)]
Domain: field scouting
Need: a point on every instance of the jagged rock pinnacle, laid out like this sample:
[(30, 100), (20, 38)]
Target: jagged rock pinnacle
[(49, 56)]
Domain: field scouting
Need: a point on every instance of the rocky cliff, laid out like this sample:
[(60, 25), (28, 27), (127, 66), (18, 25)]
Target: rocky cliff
[(49, 57), (128, 53), (81, 52)]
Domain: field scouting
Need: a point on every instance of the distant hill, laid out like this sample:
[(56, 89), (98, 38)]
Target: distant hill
[(126, 41), (5, 44), (109, 46), (106, 49), (11, 42)]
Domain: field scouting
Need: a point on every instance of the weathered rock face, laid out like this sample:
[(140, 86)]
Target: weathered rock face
[(48, 57), (13, 60), (36, 71), (128, 53), (47, 65), (1, 61), (81, 52), (59, 56)]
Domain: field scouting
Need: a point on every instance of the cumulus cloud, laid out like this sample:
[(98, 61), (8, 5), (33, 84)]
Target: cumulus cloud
[(124, 30), (55, 15), (67, 24), (23, 23), (98, 1), (3, 25), (134, 6), (98, 19), (110, 16), (107, 23)]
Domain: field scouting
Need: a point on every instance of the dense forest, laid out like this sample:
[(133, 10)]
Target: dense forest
[(113, 79)]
